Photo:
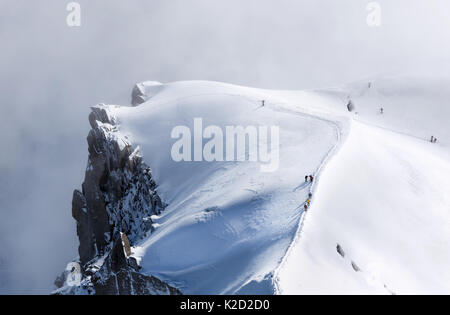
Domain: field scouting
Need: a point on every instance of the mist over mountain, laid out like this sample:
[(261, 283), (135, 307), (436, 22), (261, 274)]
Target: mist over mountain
[(51, 74)]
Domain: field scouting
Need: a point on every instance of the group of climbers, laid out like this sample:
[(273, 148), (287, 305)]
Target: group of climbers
[(433, 138), (308, 202), (309, 178)]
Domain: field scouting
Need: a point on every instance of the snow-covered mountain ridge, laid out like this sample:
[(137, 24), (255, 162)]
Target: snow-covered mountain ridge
[(379, 221)]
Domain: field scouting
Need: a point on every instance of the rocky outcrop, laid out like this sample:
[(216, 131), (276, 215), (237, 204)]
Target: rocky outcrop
[(112, 212), (142, 92), (350, 106), (113, 274), (340, 250), (120, 275)]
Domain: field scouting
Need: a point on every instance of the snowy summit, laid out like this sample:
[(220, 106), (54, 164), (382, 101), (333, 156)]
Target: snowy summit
[(212, 188)]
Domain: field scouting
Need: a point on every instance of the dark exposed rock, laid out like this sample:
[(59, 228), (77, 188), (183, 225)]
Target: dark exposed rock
[(340, 250), (355, 267), (113, 210), (118, 193), (350, 106), (117, 275), (120, 275), (59, 282), (137, 96), (144, 91)]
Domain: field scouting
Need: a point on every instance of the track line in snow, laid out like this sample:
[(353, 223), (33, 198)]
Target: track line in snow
[(299, 216), (317, 174)]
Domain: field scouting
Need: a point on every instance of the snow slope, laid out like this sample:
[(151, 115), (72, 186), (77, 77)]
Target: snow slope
[(228, 224), (383, 199), (380, 190)]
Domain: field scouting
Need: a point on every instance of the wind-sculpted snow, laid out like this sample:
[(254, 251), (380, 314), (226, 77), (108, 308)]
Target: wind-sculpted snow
[(227, 224)]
